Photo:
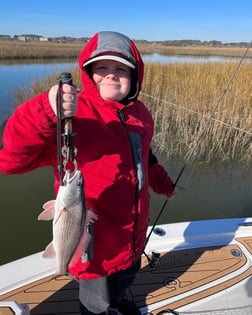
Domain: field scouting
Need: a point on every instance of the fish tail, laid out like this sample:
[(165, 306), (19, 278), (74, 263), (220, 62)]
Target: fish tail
[(89, 254), (90, 218)]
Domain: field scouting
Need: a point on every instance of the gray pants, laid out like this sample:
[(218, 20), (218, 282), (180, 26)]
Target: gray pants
[(98, 295)]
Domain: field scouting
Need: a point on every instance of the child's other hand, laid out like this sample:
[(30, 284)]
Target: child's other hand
[(68, 97), (171, 196)]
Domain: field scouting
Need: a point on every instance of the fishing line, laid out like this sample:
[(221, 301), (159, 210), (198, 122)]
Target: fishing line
[(191, 152), (65, 77), (214, 109), (196, 113)]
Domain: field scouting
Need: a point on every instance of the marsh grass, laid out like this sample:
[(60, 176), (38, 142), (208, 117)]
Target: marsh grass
[(181, 98), (38, 50), (49, 50)]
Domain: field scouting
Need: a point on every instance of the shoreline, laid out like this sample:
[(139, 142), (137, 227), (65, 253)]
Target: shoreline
[(16, 50)]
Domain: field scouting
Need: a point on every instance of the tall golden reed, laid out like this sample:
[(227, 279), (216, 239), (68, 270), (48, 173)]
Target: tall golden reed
[(181, 98)]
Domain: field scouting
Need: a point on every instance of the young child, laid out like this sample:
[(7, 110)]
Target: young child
[(113, 136)]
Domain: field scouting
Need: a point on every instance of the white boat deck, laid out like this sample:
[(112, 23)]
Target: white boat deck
[(205, 266)]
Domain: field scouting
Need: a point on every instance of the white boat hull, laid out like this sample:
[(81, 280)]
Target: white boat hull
[(205, 267)]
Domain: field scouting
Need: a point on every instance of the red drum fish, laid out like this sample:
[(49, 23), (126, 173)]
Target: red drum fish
[(72, 234)]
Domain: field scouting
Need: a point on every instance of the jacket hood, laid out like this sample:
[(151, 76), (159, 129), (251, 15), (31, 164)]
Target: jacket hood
[(112, 44)]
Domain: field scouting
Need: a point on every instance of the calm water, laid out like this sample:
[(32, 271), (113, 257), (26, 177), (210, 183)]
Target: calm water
[(211, 191), (20, 75)]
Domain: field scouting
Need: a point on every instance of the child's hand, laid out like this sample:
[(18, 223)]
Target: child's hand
[(69, 100), (172, 196)]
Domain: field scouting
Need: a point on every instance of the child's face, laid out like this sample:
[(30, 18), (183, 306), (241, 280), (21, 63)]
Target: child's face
[(112, 79)]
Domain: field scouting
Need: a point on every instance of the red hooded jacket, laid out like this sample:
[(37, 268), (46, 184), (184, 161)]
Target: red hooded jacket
[(114, 154)]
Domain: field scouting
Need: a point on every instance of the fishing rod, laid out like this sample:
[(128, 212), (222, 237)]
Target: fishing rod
[(155, 256)]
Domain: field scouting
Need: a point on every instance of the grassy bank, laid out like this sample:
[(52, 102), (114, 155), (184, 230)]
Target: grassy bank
[(193, 50), (38, 50), (45, 50), (181, 97)]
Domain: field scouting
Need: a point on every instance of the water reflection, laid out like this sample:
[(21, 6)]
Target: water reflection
[(20, 74), (151, 58), (211, 192)]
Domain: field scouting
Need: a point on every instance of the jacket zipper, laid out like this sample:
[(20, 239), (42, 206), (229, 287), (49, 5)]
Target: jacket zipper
[(123, 121)]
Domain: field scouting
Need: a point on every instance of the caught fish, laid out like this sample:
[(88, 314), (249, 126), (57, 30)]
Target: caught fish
[(71, 223)]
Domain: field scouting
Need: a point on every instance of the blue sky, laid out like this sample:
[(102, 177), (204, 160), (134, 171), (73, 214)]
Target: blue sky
[(223, 20)]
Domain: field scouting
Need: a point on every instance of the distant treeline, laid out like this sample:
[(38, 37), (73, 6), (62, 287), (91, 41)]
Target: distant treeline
[(178, 43), (195, 42)]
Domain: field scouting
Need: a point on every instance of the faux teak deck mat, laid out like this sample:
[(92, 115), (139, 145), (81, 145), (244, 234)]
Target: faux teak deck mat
[(176, 273)]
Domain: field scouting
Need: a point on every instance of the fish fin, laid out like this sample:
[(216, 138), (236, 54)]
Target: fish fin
[(81, 248), (49, 251), (49, 204), (64, 209), (49, 210)]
